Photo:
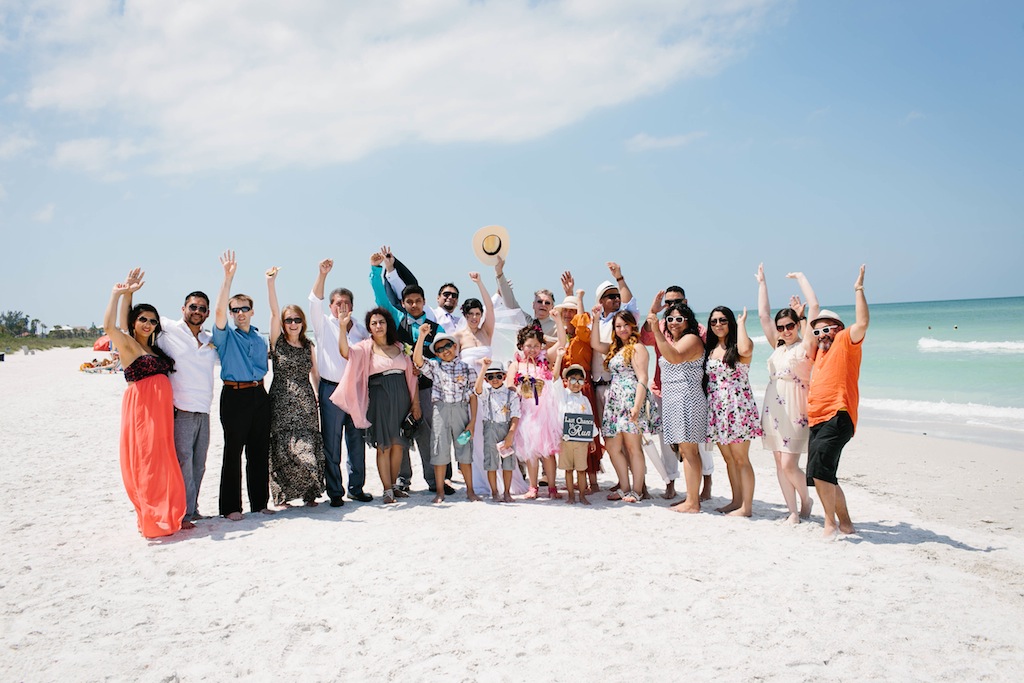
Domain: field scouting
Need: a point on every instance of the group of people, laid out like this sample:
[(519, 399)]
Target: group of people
[(408, 376)]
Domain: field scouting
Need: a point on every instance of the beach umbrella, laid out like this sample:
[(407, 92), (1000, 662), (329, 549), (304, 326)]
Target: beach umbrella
[(102, 344)]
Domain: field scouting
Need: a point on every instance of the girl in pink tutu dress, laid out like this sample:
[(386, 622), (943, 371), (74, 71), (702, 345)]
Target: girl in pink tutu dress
[(539, 434)]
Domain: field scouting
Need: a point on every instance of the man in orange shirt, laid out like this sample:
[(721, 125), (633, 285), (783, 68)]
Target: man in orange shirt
[(832, 404)]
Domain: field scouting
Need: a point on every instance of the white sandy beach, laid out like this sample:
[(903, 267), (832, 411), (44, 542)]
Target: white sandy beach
[(931, 588)]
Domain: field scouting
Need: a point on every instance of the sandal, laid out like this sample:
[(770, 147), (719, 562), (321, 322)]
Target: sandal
[(553, 492), (631, 497), (389, 497), (399, 493), (615, 495), (532, 493)]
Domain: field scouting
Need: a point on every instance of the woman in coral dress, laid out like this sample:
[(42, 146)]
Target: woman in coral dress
[(149, 463)]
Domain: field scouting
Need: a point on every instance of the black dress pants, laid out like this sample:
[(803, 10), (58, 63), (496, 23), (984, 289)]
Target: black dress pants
[(245, 416)]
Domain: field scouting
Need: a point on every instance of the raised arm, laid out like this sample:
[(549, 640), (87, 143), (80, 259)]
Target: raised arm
[(134, 282), (275, 308), (743, 343), (620, 282), (764, 309), (559, 357), (568, 283), (227, 261), (487, 324), (417, 351), (343, 338), (860, 326), (508, 297), (810, 297), (321, 278), (478, 386), (126, 346), (380, 296), (595, 331)]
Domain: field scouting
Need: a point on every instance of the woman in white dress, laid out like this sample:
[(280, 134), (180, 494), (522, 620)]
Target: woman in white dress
[(784, 415), (475, 338)]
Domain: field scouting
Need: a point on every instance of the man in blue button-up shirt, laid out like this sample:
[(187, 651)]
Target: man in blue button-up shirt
[(244, 404)]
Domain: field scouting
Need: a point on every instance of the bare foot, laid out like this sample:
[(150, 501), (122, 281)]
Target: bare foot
[(793, 519), (846, 528), (268, 511), (670, 491), (705, 494), (553, 492), (439, 498), (726, 509), (645, 494), (594, 486), (805, 508), (740, 512), (185, 524), (531, 494), (235, 516), (583, 499), (829, 534), (570, 500), (472, 497), (496, 497), (688, 508)]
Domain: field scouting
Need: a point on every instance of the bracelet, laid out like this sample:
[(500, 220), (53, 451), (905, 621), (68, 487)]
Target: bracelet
[(620, 279), (859, 289)]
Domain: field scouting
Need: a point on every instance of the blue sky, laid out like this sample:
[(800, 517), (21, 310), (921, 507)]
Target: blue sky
[(687, 141)]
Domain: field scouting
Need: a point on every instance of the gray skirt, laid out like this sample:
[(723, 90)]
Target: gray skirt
[(388, 406)]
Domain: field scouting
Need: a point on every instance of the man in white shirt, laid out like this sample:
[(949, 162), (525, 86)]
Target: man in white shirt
[(447, 312), (195, 360), (334, 422)]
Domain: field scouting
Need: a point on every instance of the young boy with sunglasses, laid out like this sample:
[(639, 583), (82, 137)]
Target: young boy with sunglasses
[(500, 406), (454, 407), (572, 454)]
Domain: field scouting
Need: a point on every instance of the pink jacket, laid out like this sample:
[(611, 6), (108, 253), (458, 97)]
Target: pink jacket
[(353, 393)]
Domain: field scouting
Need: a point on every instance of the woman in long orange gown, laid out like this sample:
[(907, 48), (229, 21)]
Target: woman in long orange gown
[(149, 463)]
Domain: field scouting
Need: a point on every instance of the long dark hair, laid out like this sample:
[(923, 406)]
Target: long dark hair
[(732, 353), (133, 315), (392, 333), (691, 319), (786, 313)]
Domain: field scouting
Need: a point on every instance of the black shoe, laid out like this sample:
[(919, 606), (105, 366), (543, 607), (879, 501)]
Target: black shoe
[(360, 496), (402, 484), (337, 501), (448, 490)]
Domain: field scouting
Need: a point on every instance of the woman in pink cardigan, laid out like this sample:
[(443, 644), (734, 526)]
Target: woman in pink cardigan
[(379, 390)]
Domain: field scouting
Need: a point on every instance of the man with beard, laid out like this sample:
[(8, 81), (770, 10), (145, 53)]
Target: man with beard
[(832, 404)]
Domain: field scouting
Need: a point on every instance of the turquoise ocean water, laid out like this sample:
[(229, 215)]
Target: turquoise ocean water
[(951, 369)]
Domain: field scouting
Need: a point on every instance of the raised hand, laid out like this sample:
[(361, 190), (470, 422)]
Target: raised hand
[(326, 265), (859, 284), (616, 271), (742, 319), (120, 288), (499, 265), (658, 305), (568, 283), (797, 305), (272, 272), (376, 258), (795, 275), (389, 258), (485, 363), (597, 311), (344, 320), (759, 275), (426, 329), (134, 281), (474, 276), (228, 262)]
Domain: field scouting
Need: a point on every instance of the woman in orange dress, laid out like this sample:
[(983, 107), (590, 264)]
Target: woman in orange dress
[(149, 463)]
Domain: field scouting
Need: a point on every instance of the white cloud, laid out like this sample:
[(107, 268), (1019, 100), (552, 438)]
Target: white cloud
[(642, 142), (45, 214), (14, 145), (198, 85), (912, 116)]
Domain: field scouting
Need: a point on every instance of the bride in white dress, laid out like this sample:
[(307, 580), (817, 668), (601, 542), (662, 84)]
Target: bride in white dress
[(475, 343)]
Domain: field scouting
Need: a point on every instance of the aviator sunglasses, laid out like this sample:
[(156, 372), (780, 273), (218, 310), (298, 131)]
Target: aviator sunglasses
[(787, 327), (194, 308), (147, 321)]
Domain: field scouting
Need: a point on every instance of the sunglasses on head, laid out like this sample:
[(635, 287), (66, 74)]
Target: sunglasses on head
[(675, 318), (441, 348), (824, 330), (241, 309), (787, 327), (147, 321), (450, 295), (194, 308), (719, 321), (293, 321)]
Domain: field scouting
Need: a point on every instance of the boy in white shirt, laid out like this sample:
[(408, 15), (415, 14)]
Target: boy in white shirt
[(500, 406), (576, 437)]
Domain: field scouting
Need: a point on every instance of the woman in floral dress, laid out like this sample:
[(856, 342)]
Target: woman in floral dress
[(296, 445), (732, 414), (628, 412), (784, 414)]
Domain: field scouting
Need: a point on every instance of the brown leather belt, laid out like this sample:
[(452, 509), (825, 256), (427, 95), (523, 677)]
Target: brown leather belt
[(243, 385)]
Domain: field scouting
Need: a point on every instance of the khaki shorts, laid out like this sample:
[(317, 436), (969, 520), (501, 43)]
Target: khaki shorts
[(573, 455)]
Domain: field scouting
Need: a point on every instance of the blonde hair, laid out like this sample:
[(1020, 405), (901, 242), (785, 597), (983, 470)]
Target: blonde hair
[(617, 344)]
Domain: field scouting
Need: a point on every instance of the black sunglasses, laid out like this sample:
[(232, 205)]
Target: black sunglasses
[(241, 309), (147, 321), (450, 295), (494, 375), (614, 295), (293, 321), (719, 321), (787, 327), (441, 348), (673, 302), (194, 308)]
